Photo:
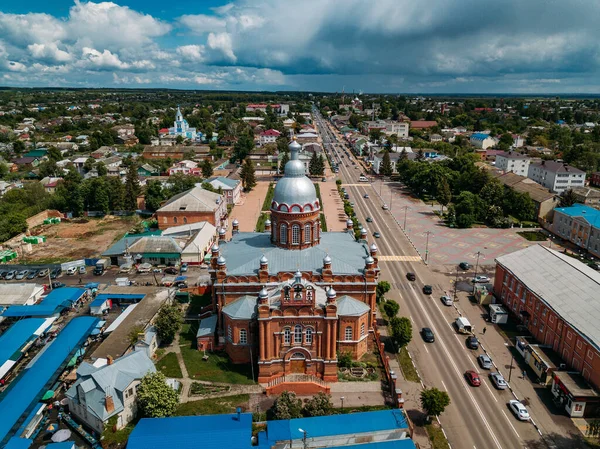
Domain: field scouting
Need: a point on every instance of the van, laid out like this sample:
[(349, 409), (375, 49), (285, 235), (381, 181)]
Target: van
[(126, 268), (363, 178), (463, 326)]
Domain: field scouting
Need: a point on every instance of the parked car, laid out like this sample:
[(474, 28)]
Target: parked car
[(43, 272), (427, 335), (184, 267), (3, 274), (71, 271), (472, 342), (385, 207), (519, 410), (369, 220), (21, 274), (376, 234), (366, 196), (411, 276), (447, 300), (498, 381), (55, 273), (170, 270), (32, 274), (484, 361), (464, 266), (181, 285), (427, 289), (82, 270), (10, 275), (57, 285), (473, 378), (480, 278)]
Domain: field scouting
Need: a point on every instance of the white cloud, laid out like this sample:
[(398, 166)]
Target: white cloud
[(223, 9), (201, 23), (222, 42), (104, 60), (143, 65), (194, 53), (15, 66), (49, 51), (24, 29)]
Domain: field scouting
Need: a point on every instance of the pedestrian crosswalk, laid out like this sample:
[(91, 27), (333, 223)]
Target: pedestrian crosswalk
[(399, 258)]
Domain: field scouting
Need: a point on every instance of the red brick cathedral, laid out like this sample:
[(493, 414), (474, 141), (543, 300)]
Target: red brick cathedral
[(290, 299)]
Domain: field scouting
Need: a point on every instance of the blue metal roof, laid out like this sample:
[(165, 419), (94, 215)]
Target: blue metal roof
[(591, 215), (18, 443), (287, 429), (22, 394), (480, 136), (105, 296), (53, 303), (191, 432), (17, 336)]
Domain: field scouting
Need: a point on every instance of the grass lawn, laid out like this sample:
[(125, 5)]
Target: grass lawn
[(169, 366), (187, 335), (213, 406), (436, 436), (218, 367), (533, 236), (197, 302), (408, 369)]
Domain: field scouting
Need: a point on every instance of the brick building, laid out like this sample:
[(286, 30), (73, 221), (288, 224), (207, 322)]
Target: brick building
[(289, 299), (193, 206), (557, 298)]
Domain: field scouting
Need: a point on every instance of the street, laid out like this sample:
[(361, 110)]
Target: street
[(477, 417)]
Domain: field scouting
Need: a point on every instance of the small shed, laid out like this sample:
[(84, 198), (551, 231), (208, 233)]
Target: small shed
[(205, 337), (100, 304), (498, 314)]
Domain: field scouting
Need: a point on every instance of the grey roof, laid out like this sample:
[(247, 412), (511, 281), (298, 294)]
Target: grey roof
[(567, 286), (348, 306), (243, 308), (224, 183), (18, 293), (207, 326), (557, 167), (155, 244), (193, 200), (294, 187), (244, 250), (113, 380), (121, 246)]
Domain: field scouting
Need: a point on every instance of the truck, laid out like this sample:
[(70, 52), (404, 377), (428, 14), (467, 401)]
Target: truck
[(123, 282), (100, 267), (463, 326)]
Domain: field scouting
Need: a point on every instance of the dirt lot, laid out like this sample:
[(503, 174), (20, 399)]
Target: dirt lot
[(78, 238)]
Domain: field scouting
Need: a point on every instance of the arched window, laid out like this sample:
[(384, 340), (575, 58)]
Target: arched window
[(243, 336), (297, 334), (283, 234), (295, 235), (185, 219), (316, 233), (362, 329), (229, 333), (287, 336), (309, 335), (307, 228), (348, 335)]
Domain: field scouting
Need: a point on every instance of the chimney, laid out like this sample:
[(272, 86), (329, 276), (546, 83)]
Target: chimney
[(109, 404), (109, 360)]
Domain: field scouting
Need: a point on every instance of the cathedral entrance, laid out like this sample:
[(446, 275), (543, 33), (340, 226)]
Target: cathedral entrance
[(298, 363)]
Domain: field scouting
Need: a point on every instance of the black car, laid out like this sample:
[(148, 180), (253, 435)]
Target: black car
[(411, 276), (427, 335), (472, 342), (3, 273), (170, 270), (464, 265), (57, 285), (55, 273), (427, 289)]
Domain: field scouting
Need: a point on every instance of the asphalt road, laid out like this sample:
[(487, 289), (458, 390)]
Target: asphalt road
[(477, 418)]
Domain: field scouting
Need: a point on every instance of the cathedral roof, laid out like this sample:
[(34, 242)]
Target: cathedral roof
[(294, 187), (348, 306), (244, 250), (243, 308)]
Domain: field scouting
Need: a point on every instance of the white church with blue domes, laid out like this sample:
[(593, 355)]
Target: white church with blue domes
[(182, 128)]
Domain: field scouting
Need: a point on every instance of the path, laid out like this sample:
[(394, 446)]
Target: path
[(249, 208)]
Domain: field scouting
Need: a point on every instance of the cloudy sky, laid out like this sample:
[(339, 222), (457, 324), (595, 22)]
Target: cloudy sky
[(437, 46)]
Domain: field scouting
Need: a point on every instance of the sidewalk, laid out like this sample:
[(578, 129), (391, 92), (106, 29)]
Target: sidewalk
[(249, 208)]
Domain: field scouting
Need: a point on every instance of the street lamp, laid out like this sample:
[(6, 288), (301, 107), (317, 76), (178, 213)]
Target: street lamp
[(455, 282), (303, 437), (427, 245), (476, 267), (512, 358), (405, 210), (342, 399)]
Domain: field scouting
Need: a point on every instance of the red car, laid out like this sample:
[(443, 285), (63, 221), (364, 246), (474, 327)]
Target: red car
[(473, 378)]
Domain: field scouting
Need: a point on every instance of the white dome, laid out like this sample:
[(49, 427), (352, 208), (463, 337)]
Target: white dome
[(264, 260), (235, 222), (369, 260), (326, 259), (294, 187), (263, 293), (373, 247), (215, 248), (331, 293), (222, 231)]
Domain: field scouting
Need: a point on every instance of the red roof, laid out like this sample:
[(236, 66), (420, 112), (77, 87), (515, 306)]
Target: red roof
[(271, 132), (423, 124), (163, 131)]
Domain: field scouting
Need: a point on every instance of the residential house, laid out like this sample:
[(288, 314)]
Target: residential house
[(39, 153), (595, 179), (518, 141), (435, 138), (7, 186), (126, 130), (147, 170), (196, 239), (174, 151), (79, 163), (128, 141), (588, 196), (482, 140), (579, 224), (513, 162), (27, 161), (556, 297), (309, 137), (102, 152), (556, 176), (231, 188), (268, 136), (49, 183), (279, 109), (193, 206), (102, 391), (185, 168)]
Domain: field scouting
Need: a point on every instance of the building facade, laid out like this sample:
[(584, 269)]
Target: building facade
[(268, 136), (513, 162), (293, 297), (481, 140), (181, 127), (231, 188), (556, 176), (193, 206), (580, 225)]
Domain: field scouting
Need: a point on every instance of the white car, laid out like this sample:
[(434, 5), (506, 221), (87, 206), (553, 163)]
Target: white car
[(479, 279), (498, 381), (71, 271), (385, 207), (447, 300), (519, 410), (21, 274)]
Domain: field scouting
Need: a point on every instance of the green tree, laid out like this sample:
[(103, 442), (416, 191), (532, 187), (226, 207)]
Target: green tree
[(101, 168), (434, 401), (382, 288), (374, 135), (319, 405), (391, 308), (132, 188), (386, 168), (313, 165), (11, 224), (567, 198), (155, 398), (420, 155), (401, 330), (242, 148), (207, 169), (88, 164), (116, 193), (287, 406), (18, 147), (48, 168), (179, 140), (154, 195), (284, 160), (168, 323), (444, 194), (247, 175), (180, 183)]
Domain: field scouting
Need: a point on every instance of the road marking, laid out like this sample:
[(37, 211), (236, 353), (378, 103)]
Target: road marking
[(491, 392), (444, 385), (426, 350), (511, 425), (399, 258)]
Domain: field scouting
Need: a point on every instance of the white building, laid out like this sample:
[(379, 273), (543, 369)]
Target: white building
[(482, 140), (181, 127), (231, 188), (268, 136), (387, 127), (556, 176), (513, 162)]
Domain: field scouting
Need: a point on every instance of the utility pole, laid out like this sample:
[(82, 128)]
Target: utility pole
[(427, 246), (455, 282), (476, 267), (405, 210)]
